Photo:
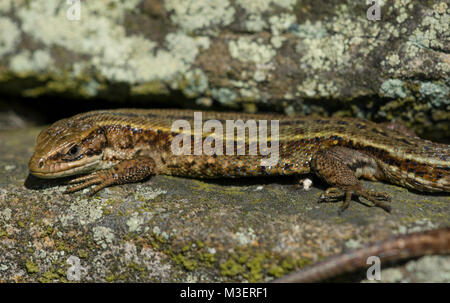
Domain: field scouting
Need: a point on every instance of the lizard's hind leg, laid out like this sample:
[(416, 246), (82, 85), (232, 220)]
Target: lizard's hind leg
[(341, 167)]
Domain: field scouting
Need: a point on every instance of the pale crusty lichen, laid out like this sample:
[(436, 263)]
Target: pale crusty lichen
[(191, 15), (193, 83), (135, 222), (245, 236), (326, 46), (403, 8), (312, 87), (246, 50), (5, 6), (436, 93), (423, 44), (5, 214), (393, 88), (9, 36), (255, 23), (280, 23), (284, 48), (316, 30), (425, 269), (251, 94), (393, 59), (435, 24), (26, 61), (224, 95), (86, 211), (261, 6), (103, 236), (114, 54)]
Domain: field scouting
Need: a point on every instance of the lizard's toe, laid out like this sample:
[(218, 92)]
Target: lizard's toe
[(332, 194)]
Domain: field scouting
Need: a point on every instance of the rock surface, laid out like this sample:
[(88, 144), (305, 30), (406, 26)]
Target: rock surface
[(177, 229), (289, 56), (285, 55)]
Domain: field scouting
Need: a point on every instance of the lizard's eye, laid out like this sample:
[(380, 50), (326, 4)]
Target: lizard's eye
[(74, 151), (73, 154)]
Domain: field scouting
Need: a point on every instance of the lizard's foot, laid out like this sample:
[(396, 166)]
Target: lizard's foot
[(341, 167), (127, 171), (101, 178), (334, 194)]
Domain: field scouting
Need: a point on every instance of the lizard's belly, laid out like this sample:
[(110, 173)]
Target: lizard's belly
[(214, 166)]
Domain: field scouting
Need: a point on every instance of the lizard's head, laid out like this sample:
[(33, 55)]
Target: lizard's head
[(68, 147)]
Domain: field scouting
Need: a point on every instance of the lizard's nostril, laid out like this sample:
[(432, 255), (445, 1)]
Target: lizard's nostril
[(41, 163)]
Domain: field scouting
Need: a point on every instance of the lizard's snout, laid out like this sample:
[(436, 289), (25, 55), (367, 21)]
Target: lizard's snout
[(37, 165)]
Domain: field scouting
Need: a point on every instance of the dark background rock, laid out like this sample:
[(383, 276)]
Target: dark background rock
[(279, 55)]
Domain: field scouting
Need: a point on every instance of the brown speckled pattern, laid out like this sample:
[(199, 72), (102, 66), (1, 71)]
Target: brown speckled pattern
[(341, 151)]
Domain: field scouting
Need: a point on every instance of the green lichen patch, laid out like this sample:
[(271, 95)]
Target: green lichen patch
[(254, 266), (32, 267)]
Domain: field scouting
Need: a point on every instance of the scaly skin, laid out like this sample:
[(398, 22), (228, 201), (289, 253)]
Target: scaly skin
[(338, 150), (127, 145)]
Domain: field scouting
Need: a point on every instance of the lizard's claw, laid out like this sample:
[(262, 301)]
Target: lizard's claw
[(334, 194), (127, 171), (101, 178)]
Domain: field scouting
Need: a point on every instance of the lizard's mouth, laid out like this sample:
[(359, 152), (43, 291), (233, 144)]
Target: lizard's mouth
[(39, 168)]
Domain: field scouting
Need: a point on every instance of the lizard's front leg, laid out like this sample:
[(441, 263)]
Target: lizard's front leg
[(341, 167), (127, 171)]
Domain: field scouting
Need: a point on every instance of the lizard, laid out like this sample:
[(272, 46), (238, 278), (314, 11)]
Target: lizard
[(110, 147)]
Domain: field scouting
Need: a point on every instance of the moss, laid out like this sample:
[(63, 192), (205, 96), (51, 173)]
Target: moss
[(249, 265), (199, 244), (186, 248), (150, 88), (110, 278), (288, 264), (207, 258), (136, 267), (159, 238), (231, 268), (255, 265), (83, 254), (61, 245), (187, 263), (31, 267), (243, 257), (48, 231), (276, 271), (303, 262), (48, 277)]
